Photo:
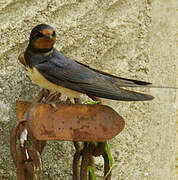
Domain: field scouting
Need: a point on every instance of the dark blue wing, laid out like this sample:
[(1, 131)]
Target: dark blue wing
[(65, 72)]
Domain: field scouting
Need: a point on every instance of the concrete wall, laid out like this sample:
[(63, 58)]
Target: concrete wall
[(132, 39), (176, 38)]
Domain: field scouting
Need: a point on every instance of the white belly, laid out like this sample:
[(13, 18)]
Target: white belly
[(38, 79)]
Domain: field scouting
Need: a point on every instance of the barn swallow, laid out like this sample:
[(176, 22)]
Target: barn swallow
[(51, 70)]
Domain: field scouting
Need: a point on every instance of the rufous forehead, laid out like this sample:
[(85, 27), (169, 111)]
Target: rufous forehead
[(47, 32)]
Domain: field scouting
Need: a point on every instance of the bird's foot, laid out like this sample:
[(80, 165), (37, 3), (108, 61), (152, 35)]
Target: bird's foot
[(52, 96), (54, 107), (77, 101)]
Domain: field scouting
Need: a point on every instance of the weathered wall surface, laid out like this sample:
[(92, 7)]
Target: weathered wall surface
[(176, 38), (133, 39)]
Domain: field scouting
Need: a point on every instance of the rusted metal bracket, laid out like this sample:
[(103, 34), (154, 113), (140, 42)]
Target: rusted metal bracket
[(40, 121), (86, 152)]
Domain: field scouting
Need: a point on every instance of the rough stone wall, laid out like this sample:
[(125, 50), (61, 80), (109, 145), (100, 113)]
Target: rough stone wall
[(132, 39), (176, 38)]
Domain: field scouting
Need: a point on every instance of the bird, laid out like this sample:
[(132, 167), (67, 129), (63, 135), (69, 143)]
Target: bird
[(50, 69)]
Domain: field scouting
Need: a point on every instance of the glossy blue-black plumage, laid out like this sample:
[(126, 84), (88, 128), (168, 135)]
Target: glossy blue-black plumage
[(63, 71), (68, 73)]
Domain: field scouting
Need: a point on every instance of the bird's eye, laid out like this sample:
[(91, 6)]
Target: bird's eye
[(40, 34), (54, 33)]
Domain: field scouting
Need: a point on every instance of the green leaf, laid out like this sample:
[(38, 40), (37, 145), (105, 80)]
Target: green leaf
[(111, 160), (108, 172), (92, 172), (108, 151), (92, 102)]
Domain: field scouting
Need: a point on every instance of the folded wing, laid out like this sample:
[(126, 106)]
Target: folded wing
[(65, 72)]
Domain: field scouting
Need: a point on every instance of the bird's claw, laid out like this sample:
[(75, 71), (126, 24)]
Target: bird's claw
[(54, 106)]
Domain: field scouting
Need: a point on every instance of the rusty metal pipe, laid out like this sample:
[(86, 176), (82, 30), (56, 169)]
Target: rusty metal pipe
[(13, 140), (84, 164)]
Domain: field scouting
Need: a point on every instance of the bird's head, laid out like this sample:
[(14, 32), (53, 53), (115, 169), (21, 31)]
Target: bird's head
[(42, 38)]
